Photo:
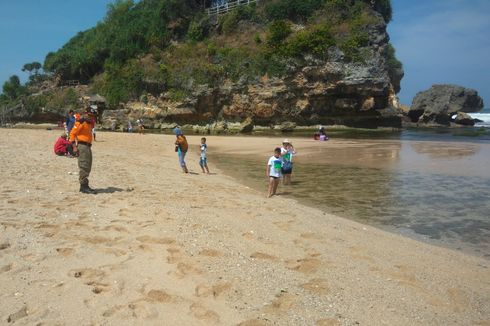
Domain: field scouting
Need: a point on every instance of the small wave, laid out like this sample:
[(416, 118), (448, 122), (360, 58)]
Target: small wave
[(484, 117)]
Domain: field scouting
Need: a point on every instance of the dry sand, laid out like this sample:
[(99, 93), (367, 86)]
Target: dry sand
[(158, 247)]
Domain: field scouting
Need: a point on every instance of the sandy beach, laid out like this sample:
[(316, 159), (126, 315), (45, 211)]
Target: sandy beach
[(159, 247)]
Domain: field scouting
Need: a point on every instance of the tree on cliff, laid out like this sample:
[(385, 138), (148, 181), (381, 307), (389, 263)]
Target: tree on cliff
[(12, 88), (33, 66), (170, 46)]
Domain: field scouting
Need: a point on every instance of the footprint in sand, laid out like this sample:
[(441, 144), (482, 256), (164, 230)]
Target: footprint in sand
[(405, 275), (306, 265), (158, 296), (253, 322), (34, 257), (149, 239), (140, 310), (65, 252), (210, 253), (201, 313), (87, 273), (312, 236), (285, 226), (4, 245), (98, 240), (357, 253), (318, 286), (185, 269), (261, 255), (327, 322), (216, 290), (113, 251), (284, 301), (6, 268), (248, 235), (98, 287), (50, 230), (117, 228), (174, 256)]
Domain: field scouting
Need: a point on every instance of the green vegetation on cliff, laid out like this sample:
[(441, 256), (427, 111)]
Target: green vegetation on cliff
[(158, 46)]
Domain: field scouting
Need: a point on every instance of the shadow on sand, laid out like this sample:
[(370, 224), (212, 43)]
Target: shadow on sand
[(111, 190)]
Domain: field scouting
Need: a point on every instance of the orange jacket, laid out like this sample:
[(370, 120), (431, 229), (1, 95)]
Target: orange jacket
[(182, 143), (82, 132)]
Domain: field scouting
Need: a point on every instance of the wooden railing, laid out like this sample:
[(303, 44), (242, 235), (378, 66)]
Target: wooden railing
[(228, 6), (70, 83)]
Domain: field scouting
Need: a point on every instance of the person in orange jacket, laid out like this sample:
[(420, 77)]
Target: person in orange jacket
[(81, 138)]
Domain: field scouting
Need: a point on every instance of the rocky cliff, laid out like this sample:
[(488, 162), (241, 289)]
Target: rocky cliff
[(334, 91), (330, 63)]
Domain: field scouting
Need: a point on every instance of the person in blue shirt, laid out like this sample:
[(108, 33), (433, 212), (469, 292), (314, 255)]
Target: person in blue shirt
[(70, 121)]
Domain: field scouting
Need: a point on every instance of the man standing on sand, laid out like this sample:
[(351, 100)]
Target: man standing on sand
[(81, 138)]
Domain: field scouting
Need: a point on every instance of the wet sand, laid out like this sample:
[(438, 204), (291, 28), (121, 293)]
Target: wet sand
[(157, 247)]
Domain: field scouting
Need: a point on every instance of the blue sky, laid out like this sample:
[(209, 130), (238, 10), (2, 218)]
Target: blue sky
[(30, 29), (438, 41), (442, 41)]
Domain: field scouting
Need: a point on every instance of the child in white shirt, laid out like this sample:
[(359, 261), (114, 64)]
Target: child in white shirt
[(273, 171), (203, 160)]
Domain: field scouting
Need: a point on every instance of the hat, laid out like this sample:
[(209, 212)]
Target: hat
[(178, 131), (286, 141), (91, 110)]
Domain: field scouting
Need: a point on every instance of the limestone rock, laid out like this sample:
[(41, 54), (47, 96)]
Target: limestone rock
[(437, 104), (464, 119)]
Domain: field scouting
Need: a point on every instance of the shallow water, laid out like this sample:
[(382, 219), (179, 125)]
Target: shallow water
[(438, 194)]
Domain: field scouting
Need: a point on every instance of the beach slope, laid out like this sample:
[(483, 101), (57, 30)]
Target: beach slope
[(159, 247)]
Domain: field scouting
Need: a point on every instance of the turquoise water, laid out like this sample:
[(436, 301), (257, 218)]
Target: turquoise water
[(439, 205)]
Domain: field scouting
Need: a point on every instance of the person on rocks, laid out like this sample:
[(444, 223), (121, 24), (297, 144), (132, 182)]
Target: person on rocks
[(81, 138)]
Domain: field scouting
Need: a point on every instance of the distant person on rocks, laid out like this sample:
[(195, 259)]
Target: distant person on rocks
[(81, 138), (181, 147), (130, 126), (273, 171), (321, 135), (141, 127), (63, 147), (287, 152), (203, 160)]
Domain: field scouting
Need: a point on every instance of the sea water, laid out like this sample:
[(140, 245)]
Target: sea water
[(437, 192), (484, 116)]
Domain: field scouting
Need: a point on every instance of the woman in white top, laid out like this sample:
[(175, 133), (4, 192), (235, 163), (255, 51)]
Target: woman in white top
[(287, 152)]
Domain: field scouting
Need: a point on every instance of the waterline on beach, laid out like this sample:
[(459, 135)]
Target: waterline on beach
[(448, 209)]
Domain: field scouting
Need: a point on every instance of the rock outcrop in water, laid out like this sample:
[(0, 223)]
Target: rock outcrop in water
[(438, 105)]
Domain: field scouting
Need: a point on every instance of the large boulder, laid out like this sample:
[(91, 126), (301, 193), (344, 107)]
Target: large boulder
[(437, 104), (464, 119)]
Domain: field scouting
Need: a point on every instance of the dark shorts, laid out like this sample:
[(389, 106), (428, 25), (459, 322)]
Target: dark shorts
[(274, 177), (287, 171)]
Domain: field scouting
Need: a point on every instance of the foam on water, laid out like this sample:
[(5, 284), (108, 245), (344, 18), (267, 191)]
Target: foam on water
[(484, 116)]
